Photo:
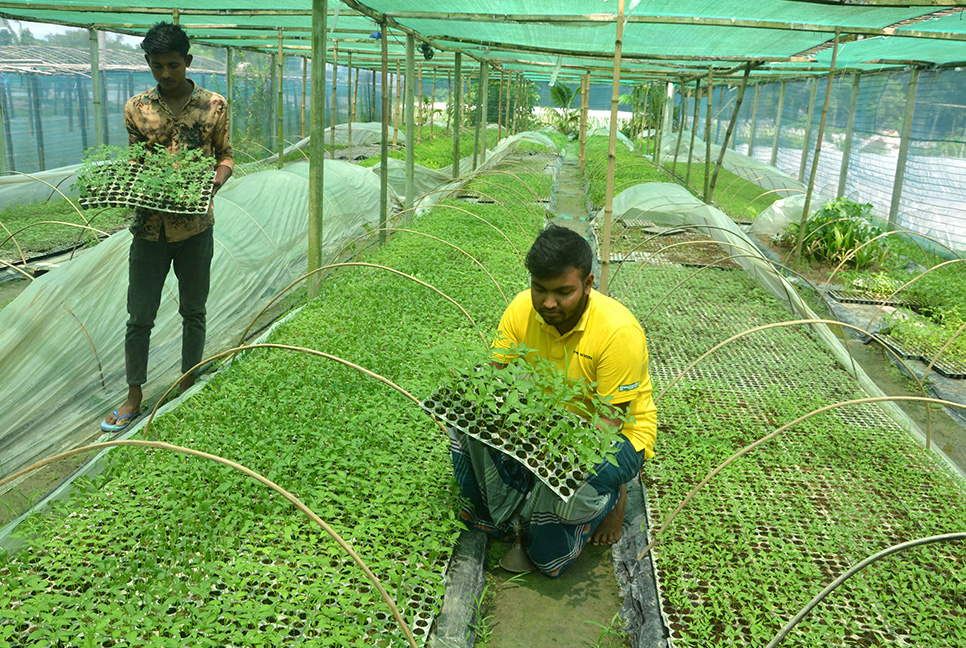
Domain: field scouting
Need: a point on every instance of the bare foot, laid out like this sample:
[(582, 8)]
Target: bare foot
[(131, 406), (609, 530)]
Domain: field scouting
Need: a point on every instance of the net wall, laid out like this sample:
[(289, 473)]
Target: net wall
[(934, 182), (48, 120)]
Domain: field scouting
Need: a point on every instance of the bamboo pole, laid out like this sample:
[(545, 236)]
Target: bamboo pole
[(384, 144), (778, 123), (398, 106), (677, 147), (694, 129), (818, 147), (754, 121), (432, 105), (410, 119), (335, 83), (281, 100), (353, 91), (479, 113), (96, 88), (499, 107), (484, 117), (422, 104), (612, 150), (661, 122), (707, 138), (449, 91), (904, 146), (372, 105), (519, 89), (584, 112), (305, 70), (456, 104), (230, 88), (3, 135), (33, 94), (847, 148), (317, 153), (272, 85), (808, 129), (81, 118), (508, 116), (729, 131)]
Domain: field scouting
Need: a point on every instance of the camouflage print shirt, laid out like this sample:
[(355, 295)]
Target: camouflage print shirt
[(201, 124)]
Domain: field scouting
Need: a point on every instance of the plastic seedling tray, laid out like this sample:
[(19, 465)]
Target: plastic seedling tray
[(128, 190), (559, 474)]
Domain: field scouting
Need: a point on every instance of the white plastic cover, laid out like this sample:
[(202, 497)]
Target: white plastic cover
[(62, 339)]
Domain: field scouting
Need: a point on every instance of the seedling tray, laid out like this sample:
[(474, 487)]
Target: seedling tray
[(524, 443), (861, 297), (123, 187), (944, 367)]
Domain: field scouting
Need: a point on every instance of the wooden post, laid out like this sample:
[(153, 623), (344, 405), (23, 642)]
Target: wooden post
[(818, 147), (707, 139), (694, 129), (281, 100), (612, 150), (355, 92), (272, 85), (808, 130), (754, 121), (508, 115), (721, 105), (661, 123), (96, 88), (457, 105), (410, 119), (372, 106), (317, 153), (729, 131), (778, 124), (904, 146), (335, 83), (584, 110), (305, 70), (847, 149), (384, 145)]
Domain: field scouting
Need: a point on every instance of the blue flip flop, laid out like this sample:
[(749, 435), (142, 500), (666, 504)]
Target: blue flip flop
[(120, 422)]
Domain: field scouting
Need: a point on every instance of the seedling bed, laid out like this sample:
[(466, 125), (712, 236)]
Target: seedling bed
[(777, 525), (642, 241), (527, 444)]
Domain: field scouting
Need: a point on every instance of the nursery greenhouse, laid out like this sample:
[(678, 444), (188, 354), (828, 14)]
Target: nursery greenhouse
[(773, 189)]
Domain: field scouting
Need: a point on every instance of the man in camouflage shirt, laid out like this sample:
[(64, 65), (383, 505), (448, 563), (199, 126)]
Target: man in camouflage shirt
[(175, 115)]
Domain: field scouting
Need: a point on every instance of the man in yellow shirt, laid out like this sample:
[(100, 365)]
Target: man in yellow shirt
[(587, 335)]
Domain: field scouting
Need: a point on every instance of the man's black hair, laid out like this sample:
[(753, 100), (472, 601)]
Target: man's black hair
[(557, 249), (166, 37)]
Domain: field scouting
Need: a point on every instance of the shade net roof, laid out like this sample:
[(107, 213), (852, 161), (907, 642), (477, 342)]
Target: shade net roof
[(544, 38)]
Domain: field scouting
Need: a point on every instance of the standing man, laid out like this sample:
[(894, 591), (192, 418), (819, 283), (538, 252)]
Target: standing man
[(175, 115), (587, 335)]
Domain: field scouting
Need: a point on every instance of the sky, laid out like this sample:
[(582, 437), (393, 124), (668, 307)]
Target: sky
[(40, 30)]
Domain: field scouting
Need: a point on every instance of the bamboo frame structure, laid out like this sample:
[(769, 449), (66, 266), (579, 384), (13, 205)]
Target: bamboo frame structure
[(280, 105), (456, 105), (728, 133), (335, 83), (847, 146), (778, 122), (410, 129)]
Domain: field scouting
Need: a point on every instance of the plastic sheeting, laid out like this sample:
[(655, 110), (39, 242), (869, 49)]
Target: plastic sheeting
[(363, 133), (62, 339), (754, 171)]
